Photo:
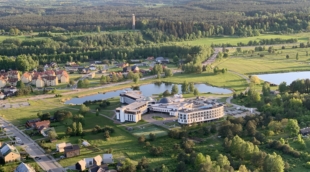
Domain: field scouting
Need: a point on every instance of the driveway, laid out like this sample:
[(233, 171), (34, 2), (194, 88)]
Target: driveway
[(47, 163), (167, 118)]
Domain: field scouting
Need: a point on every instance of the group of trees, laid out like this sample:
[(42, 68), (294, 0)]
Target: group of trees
[(189, 88)]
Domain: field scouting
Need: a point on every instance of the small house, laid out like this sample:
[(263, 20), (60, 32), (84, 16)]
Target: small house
[(97, 160), (81, 165), (26, 77), (71, 151), (51, 80), (22, 167), (61, 146), (31, 123), (2, 82), (305, 131), (41, 124), (12, 81), (89, 162), (85, 143), (101, 168), (9, 153), (107, 158), (2, 96)]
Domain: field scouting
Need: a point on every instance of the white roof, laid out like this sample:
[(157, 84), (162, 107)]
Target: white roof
[(107, 156), (89, 161), (85, 143), (22, 167)]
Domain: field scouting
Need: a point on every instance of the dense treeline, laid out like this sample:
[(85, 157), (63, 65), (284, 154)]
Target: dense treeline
[(187, 53)]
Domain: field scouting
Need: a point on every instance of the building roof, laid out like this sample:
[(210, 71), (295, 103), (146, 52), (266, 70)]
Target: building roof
[(72, 148), (6, 149), (98, 158), (82, 163), (148, 99), (12, 80), (26, 75), (22, 167), (305, 130), (50, 78), (44, 123), (165, 100), (85, 143), (101, 168)]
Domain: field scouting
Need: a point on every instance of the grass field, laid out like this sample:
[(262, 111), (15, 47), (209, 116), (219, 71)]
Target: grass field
[(158, 118), (302, 37), (270, 63), (146, 130)]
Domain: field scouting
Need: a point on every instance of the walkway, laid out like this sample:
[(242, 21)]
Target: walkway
[(166, 118), (47, 163)]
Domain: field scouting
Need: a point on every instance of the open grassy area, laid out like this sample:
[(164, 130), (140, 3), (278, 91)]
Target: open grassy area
[(158, 118), (270, 63), (147, 129), (302, 37)]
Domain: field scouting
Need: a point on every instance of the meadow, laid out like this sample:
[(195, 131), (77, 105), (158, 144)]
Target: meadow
[(249, 63), (302, 37)]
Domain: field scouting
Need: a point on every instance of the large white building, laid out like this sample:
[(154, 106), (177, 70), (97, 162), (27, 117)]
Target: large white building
[(188, 111)]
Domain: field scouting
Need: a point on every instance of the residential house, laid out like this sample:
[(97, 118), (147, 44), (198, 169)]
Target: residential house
[(161, 60), (135, 60), (131, 68), (9, 153), (81, 165), (305, 131), (89, 162), (91, 75), (8, 89), (31, 123), (122, 65), (97, 160), (92, 67), (101, 168), (2, 82), (12, 81), (71, 151), (107, 158), (63, 76), (150, 58), (39, 82), (42, 124), (22, 167), (2, 96), (50, 80), (98, 62), (61, 146), (83, 70), (13, 74), (26, 77), (85, 143)]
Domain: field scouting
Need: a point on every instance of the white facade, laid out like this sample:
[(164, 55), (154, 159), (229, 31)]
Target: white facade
[(201, 115), (132, 112)]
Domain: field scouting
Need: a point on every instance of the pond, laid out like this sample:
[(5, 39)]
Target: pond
[(278, 78), (149, 90)]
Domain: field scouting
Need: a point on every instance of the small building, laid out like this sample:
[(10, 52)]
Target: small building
[(134, 69), (91, 75), (12, 81), (61, 146), (45, 131), (97, 160), (107, 158), (2, 82), (26, 78), (2, 96), (85, 143), (89, 162), (122, 65), (81, 165), (39, 82), (41, 124), (22, 167), (92, 67), (71, 151), (150, 58), (62, 76), (9, 153), (83, 70), (101, 168), (51, 80), (161, 60), (31, 123), (305, 131)]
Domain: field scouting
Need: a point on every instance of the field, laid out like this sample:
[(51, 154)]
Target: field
[(147, 129), (302, 37), (270, 63)]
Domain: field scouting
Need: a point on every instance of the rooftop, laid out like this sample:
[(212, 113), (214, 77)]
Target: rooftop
[(72, 148)]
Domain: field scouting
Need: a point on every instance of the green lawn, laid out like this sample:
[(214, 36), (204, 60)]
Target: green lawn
[(147, 129), (158, 118), (302, 37), (270, 63)]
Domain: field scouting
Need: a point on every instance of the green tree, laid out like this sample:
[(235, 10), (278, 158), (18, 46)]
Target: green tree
[(79, 130), (254, 79), (107, 134), (166, 93), (152, 136), (191, 87), (297, 56), (84, 109), (184, 87), (103, 80), (20, 85), (175, 89), (128, 166), (200, 159), (143, 164), (292, 127), (287, 56), (273, 162), (136, 79), (168, 73), (266, 89), (69, 131), (52, 135), (283, 87), (98, 29), (196, 92), (243, 168), (74, 128), (158, 75), (80, 84), (163, 168), (141, 139), (130, 75), (222, 161), (181, 167)]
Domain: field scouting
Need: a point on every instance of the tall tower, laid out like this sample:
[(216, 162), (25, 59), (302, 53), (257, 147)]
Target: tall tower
[(133, 22)]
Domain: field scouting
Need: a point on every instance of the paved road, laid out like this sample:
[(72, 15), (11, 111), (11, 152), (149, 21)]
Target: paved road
[(213, 57), (46, 162)]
